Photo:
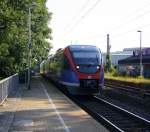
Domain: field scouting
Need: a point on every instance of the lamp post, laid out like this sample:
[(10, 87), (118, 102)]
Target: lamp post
[(29, 45), (141, 66)]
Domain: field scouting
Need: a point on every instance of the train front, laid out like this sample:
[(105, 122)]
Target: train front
[(88, 71)]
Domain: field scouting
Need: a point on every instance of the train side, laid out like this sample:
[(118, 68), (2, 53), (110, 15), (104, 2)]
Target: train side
[(78, 68)]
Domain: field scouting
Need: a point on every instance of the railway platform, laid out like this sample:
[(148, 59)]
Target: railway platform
[(44, 108)]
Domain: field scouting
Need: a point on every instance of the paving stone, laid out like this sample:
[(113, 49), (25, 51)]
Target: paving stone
[(45, 109)]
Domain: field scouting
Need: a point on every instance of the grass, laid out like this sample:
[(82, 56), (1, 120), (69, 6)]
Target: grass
[(134, 80)]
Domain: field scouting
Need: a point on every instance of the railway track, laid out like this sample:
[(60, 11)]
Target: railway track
[(113, 117), (110, 115), (143, 93)]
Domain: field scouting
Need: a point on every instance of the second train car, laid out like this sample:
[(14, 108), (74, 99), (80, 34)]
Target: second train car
[(78, 68)]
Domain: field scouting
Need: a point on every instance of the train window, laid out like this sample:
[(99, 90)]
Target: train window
[(84, 54), (85, 58)]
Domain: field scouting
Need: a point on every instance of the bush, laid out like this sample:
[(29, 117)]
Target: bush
[(140, 77), (113, 71), (0, 78), (124, 73)]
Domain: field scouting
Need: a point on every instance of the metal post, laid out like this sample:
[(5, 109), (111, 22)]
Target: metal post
[(29, 46), (141, 66), (108, 54), (108, 44)]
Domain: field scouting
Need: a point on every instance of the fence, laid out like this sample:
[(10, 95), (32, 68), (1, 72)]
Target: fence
[(8, 85)]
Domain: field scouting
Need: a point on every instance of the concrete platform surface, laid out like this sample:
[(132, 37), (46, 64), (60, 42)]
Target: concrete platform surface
[(44, 109)]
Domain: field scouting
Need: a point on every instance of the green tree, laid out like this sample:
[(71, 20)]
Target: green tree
[(14, 34)]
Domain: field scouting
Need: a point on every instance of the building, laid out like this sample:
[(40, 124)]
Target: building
[(116, 56), (131, 65)]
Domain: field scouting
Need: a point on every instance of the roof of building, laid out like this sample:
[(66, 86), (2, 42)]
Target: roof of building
[(135, 48), (120, 53), (135, 60)]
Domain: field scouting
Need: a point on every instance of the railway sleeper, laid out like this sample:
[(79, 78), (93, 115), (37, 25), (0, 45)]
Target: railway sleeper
[(138, 129), (125, 124)]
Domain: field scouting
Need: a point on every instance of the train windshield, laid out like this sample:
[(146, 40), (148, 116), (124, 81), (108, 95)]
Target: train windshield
[(87, 58)]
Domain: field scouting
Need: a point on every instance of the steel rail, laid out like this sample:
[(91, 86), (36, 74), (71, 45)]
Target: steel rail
[(129, 121)]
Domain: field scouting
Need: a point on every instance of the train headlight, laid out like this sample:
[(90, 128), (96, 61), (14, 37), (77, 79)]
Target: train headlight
[(77, 67), (98, 67)]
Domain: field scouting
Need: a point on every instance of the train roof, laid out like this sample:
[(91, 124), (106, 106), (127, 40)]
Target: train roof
[(83, 47)]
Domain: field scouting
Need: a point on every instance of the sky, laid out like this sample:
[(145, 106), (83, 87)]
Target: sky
[(89, 22)]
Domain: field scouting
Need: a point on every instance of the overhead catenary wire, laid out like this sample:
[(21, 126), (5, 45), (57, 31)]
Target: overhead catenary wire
[(78, 13), (119, 26), (138, 16), (83, 16), (137, 10), (129, 31), (132, 19), (103, 39)]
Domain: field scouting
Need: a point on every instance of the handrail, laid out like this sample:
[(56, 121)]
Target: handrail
[(7, 85)]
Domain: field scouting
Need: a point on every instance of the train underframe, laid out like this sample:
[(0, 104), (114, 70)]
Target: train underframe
[(85, 87)]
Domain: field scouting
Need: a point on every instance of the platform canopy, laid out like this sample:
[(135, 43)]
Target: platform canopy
[(135, 60)]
